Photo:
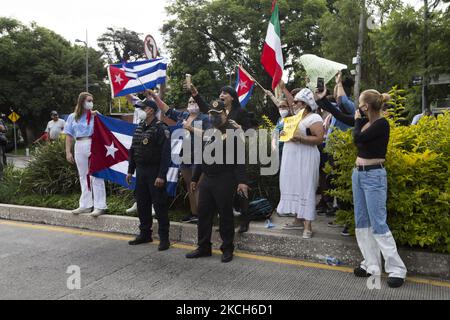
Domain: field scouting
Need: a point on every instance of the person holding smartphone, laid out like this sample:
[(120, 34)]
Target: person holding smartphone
[(369, 181)]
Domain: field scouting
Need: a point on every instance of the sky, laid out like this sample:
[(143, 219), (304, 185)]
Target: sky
[(71, 18)]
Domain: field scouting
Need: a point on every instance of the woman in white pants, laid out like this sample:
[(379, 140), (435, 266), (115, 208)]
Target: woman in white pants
[(79, 128)]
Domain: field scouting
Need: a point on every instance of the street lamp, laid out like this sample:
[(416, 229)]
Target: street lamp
[(87, 59)]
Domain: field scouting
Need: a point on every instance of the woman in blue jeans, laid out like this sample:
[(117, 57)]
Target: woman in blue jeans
[(371, 136)]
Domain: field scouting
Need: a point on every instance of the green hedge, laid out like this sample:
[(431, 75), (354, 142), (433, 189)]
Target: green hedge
[(418, 165)]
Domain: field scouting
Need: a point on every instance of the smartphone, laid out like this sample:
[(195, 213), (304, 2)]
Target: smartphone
[(363, 114), (188, 80), (320, 84)]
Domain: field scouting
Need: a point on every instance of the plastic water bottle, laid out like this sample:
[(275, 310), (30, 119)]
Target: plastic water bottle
[(331, 261)]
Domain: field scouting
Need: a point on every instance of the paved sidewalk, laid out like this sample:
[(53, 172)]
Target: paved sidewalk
[(19, 162)]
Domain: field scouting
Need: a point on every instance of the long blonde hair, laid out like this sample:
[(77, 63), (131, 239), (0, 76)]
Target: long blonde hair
[(374, 99), (79, 108)]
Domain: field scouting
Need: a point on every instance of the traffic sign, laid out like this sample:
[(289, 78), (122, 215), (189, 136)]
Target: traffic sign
[(14, 117)]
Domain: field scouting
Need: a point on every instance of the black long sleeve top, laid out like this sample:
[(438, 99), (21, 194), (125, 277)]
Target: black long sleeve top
[(336, 112), (239, 170), (372, 143)]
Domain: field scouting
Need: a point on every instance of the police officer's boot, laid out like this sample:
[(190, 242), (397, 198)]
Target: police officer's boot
[(245, 224), (164, 245), (141, 239), (227, 256), (199, 253)]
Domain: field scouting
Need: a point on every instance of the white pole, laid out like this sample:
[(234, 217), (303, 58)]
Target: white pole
[(87, 63), (15, 138)]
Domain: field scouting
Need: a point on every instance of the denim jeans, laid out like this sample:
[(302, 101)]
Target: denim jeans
[(372, 232), (369, 196)]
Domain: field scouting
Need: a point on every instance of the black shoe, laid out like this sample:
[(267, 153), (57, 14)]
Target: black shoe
[(164, 246), (199, 253), (190, 219), (345, 232), (140, 240), (243, 228), (227, 256), (395, 282), (361, 273)]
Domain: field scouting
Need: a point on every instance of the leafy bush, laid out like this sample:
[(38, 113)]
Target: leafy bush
[(418, 165), (49, 172)]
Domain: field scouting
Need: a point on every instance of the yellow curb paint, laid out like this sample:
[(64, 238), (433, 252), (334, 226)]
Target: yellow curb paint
[(282, 261)]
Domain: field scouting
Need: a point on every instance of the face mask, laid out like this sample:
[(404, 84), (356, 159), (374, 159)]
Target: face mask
[(284, 113), (142, 115), (88, 105), (193, 109)]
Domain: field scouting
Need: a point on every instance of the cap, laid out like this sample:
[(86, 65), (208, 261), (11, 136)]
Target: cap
[(54, 113), (146, 103), (306, 96), (217, 106)]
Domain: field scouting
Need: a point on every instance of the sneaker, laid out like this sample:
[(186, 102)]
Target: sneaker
[(395, 282), (81, 211), (307, 234), (292, 226), (97, 213), (333, 224), (345, 232), (361, 273), (133, 209), (189, 219)]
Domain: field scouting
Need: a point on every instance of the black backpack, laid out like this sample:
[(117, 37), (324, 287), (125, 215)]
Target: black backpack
[(260, 209)]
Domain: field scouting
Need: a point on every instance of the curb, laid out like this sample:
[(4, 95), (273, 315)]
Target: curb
[(418, 262)]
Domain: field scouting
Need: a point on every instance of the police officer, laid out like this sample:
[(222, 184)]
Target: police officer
[(150, 158), (218, 187)]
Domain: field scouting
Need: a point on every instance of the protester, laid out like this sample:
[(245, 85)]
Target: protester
[(419, 117), (218, 187), (371, 136), (55, 127), (299, 175), (80, 128), (234, 109), (150, 157), (193, 121)]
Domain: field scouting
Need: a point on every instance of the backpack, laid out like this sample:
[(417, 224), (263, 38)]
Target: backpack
[(260, 209)]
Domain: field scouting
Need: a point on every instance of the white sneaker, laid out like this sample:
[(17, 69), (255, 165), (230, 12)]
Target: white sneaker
[(97, 213), (81, 211), (236, 213), (307, 234), (133, 209)]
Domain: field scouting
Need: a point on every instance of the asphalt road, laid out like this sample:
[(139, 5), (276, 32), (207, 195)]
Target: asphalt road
[(34, 261)]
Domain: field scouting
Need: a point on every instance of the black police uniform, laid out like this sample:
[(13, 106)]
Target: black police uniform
[(150, 157), (216, 193)]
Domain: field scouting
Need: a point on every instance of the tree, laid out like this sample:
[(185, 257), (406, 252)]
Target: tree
[(120, 45), (207, 38), (40, 71)]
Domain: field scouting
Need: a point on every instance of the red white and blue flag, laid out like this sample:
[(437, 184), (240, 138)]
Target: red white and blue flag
[(111, 142), (134, 77), (244, 86)]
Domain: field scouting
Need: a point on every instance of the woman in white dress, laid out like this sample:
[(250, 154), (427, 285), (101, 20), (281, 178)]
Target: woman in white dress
[(299, 175)]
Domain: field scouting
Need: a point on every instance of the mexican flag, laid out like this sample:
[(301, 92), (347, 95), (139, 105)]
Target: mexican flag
[(272, 56)]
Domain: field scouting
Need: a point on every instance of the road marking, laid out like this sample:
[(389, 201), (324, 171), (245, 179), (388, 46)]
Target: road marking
[(283, 261)]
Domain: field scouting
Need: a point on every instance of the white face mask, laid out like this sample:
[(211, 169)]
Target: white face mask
[(142, 115), (88, 105), (193, 109), (284, 113)]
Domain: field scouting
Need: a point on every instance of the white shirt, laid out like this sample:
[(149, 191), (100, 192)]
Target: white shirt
[(54, 129)]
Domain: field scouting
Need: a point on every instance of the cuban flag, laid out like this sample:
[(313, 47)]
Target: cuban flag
[(111, 141), (134, 77), (244, 86)]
